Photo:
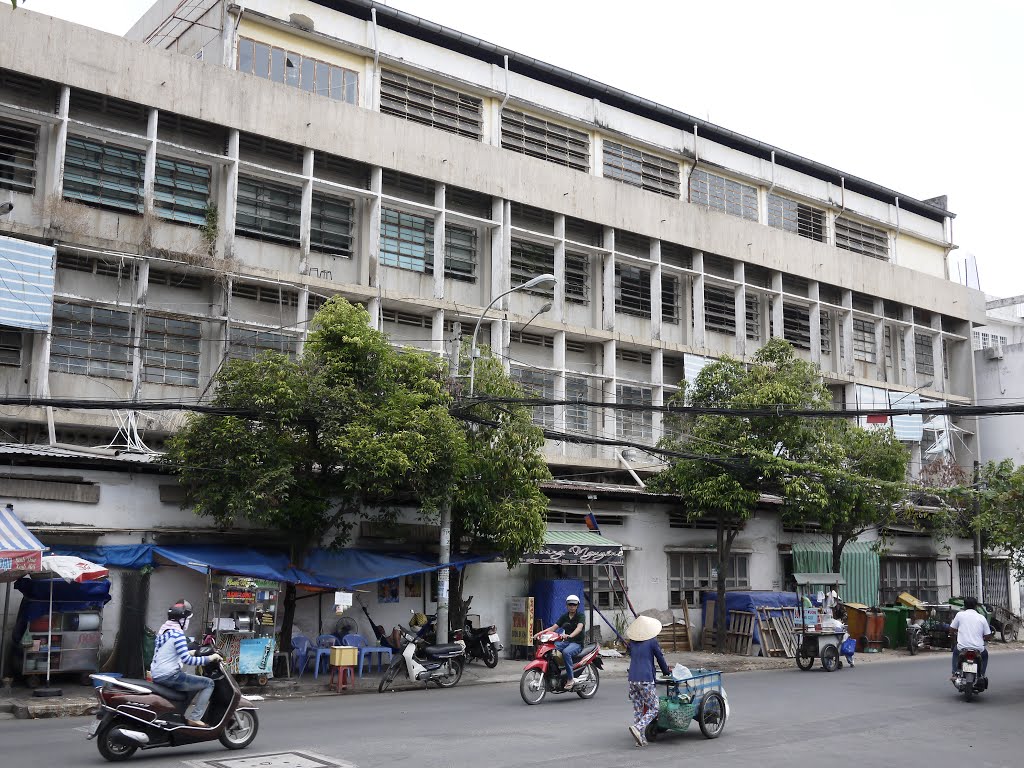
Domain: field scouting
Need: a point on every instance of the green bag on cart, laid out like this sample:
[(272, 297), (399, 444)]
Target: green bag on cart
[(674, 713)]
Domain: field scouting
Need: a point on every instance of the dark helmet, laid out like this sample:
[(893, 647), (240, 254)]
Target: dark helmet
[(180, 611)]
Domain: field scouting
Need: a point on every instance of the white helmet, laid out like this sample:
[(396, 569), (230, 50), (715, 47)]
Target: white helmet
[(572, 599)]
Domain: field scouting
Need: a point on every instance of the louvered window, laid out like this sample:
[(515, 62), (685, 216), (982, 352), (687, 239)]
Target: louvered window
[(792, 216), (91, 340), (407, 242), (104, 175), (170, 351), (268, 294), (528, 261), (577, 278), (753, 316), (17, 156), (924, 359), (719, 309), (640, 169), (460, 253), (298, 71), (632, 290), (430, 104), (549, 141), (249, 344), (670, 299), (181, 191), (268, 211), (10, 346), (796, 326), (864, 341), (634, 425), (539, 384), (862, 238), (577, 417), (825, 323), (330, 225), (723, 194)]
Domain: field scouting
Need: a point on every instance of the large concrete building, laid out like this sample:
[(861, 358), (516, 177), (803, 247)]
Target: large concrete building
[(205, 184)]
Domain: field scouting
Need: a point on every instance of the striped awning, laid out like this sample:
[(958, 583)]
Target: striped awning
[(20, 551), (858, 565)]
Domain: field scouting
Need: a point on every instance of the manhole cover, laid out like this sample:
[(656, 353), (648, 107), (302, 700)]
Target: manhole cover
[(273, 760)]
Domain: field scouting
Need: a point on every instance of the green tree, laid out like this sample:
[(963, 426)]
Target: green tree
[(1001, 510), (352, 429), (741, 456)]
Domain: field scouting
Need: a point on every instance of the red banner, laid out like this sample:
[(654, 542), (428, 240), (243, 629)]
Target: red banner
[(21, 561)]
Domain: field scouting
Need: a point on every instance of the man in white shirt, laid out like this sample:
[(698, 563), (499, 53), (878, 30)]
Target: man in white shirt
[(969, 629)]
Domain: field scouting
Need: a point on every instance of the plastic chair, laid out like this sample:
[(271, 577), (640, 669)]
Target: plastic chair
[(301, 649), (322, 650), (373, 651)]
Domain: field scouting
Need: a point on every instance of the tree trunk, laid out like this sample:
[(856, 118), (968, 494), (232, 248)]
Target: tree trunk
[(723, 541), (837, 550), (287, 618)]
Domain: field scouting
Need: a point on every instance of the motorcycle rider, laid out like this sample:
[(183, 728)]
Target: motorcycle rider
[(572, 624), (969, 630), (171, 653)]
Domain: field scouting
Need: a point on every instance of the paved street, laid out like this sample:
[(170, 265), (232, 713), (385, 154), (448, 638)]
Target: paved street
[(892, 713)]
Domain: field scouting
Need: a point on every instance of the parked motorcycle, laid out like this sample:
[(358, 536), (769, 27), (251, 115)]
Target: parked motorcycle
[(481, 643), (967, 679), (440, 664), (138, 714), (546, 673)]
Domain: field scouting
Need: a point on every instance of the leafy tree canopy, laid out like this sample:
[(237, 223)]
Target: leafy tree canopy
[(1001, 510)]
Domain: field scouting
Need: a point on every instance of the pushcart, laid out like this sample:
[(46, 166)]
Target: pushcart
[(816, 639), (699, 697)]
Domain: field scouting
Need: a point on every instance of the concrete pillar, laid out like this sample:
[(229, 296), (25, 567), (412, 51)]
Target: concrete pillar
[(814, 317), (846, 364), (558, 363), (558, 304), (229, 202), (608, 282), (439, 249), (910, 351), (777, 303), (879, 325), (658, 391), (149, 172), (608, 365), (306, 211), (656, 308), (60, 142), (302, 318), (740, 308), (138, 312), (370, 269), (698, 338), (938, 354)]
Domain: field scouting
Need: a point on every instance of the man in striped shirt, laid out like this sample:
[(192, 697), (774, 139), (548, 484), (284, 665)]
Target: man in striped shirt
[(171, 653)]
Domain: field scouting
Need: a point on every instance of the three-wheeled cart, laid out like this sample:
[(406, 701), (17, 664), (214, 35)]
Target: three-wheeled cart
[(698, 697), (816, 639)]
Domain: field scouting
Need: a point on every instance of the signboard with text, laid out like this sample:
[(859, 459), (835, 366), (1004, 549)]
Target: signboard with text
[(522, 621)]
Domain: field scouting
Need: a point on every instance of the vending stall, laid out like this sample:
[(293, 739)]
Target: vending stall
[(244, 619)]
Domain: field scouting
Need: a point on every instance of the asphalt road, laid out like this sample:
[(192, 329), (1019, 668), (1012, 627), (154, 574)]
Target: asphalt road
[(899, 713)]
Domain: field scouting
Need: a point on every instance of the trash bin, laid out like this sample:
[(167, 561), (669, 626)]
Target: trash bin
[(896, 625), (856, 621)]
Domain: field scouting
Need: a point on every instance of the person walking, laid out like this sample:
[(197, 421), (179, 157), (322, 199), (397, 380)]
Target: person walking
[(643, 652)]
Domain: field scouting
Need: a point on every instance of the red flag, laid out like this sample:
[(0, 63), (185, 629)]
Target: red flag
[(591, 521), (877, 418)]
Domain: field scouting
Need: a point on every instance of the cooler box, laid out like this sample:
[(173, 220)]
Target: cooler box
[(344, 656)]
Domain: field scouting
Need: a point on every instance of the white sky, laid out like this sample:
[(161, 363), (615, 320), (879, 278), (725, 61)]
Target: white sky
[(922, 96)]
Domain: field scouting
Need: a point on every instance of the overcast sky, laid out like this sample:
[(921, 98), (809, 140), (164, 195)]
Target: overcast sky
[(922, 96)]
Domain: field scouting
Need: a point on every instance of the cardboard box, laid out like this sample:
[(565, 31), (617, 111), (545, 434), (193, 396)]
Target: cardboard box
[(344, 656)]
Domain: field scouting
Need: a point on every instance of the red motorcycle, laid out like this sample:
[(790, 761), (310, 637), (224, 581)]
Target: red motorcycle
[(546, 673)]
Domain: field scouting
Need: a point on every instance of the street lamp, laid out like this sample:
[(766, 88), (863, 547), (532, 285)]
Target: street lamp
[(474, 353)]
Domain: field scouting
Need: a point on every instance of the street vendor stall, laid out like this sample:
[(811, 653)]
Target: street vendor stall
[(243, 615), (818, 635)]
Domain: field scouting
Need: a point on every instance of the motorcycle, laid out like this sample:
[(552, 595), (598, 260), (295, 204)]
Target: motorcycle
[(546, 673), (440, 664), (481, 643), (967, 678), (138, 714)]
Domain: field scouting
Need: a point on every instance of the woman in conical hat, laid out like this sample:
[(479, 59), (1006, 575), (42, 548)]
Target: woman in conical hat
[(643, 652)]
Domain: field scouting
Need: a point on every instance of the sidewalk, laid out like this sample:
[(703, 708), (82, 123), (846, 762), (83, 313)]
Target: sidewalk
[(81, 700)]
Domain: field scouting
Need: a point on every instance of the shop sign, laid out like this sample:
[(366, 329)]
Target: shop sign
[(522, 621)]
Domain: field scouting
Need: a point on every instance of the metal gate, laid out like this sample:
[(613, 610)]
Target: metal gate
[(996, 575)]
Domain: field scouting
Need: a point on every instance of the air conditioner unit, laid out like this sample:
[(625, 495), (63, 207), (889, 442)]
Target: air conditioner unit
[(995, 352)]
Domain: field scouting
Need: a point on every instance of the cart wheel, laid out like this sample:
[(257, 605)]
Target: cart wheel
[(830, 658), (804, 662), (711, 715), (262, 680), (886, 642), (863, 643), (651, 732), (1009, 632)]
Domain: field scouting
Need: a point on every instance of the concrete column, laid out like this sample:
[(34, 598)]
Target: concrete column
[(777, 325), (302, 318), (939, 383), (815, 322), (910, 351), (60, 142), (558, 363), (501, 275), (608, 365), (370, 269), (306, 211), (658, 391), (846, 323), (740, 308), (879, 325), (227, 38), (656, 308), (698, 338), (149, 172), (439, 249), (229, 203), (608, 282), (437, 332), (138, 313), (558, 305)]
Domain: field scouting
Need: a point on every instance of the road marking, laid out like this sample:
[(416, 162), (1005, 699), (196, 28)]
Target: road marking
[(291, 759)]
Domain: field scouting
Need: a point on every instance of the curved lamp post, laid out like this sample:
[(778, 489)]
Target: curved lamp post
[(473, 351)]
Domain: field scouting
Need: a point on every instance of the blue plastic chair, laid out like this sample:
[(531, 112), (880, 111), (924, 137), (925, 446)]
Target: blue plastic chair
[(322, 650), (373, 651), (301, 649)]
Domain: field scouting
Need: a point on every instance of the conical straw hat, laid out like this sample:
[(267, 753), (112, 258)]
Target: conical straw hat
[(643, 628)]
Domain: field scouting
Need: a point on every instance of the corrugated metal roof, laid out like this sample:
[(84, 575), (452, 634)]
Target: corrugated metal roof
[(858, 565), (584, 538), (70, 452), (581, 487)]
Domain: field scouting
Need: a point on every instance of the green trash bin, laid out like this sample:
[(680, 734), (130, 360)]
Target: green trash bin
[(896, 625)]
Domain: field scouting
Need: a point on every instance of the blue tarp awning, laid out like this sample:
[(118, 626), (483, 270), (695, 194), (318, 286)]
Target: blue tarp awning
[(241, 561), (750, 602), (351, 568), (111, 555)]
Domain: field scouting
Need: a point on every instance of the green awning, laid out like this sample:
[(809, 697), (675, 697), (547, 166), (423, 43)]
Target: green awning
[(576, 548), (858, 565)]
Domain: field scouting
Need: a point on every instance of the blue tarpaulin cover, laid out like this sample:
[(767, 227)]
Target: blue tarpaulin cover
[(350, 568), (112, 556), (67, 597), (748, 601)]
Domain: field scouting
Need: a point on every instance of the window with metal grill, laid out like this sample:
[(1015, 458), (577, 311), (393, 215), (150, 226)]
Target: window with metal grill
[(268, 211), (407, 242), (639, 169), (577, 278), (792, 216), (723, 194), (983, 340), (532, 218), (170, 351), (268, 294), (631, 425), (181, 191), (18, 156), (121, 269), (924, 359), (796, 325), (862, 238), (406, 318), (298, 71), (460, 253), (864, 341), (104, 175), (825, 323), (632, 290), (917, 576), (532, 339), (690, 574), (549, 141), (584, 232), (670, 299), (249, 344), (330, 225), (91, 341), (719, 309), (430, 104), (10, 346), (528, 261), (753, 316), (577, 417), (175, 280), (632, 356), (537, 384)]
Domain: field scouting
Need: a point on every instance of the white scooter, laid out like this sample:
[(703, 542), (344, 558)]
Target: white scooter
[(440, 664)]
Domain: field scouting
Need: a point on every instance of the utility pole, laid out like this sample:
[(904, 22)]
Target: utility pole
[(977, 531), (445, 549)]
